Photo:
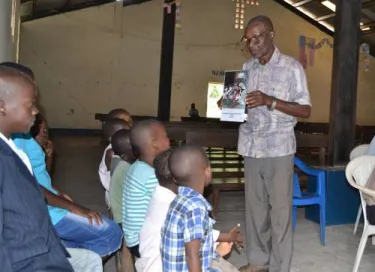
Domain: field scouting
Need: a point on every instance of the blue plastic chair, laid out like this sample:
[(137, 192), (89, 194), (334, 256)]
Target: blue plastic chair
[(310, 198)]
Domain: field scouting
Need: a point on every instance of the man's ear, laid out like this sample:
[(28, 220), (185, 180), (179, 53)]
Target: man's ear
[(2, 107)]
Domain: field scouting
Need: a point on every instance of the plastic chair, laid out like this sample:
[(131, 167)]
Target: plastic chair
[(356, 152), (307, 198), (357, 173)]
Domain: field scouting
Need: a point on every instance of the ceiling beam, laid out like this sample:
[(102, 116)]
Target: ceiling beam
[(368, 24), (325, 17), (301, 3), (364, 6)]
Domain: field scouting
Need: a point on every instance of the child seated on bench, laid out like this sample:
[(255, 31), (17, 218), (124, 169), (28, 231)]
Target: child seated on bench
[(77, 226), (148, 139), (121, 147), (187, 235), (150, 238), (110, 127)]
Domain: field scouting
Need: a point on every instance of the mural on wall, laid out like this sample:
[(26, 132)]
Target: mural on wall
[(309, 45)]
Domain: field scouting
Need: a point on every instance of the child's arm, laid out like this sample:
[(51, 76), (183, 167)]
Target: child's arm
[(192, 255), (61, 202), (108, 158), (49, 151), (233, 236), (194, 232)]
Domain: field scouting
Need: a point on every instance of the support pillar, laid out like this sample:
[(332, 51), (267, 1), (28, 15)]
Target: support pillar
[(166, 62), (344, 81), (9, 29)]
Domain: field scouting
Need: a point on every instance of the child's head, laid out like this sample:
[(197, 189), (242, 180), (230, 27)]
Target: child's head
[(17, 101), (190, 167), (121, 145), (121, 114), (39, 130), (149, 138), (111, 126), (163, 172)]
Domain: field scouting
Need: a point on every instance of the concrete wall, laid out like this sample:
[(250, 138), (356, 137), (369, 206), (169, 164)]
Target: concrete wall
[(100, 58), (9, 29)]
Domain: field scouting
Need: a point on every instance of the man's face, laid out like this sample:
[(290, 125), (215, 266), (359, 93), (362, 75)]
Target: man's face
[(258, 40), (20, 108)]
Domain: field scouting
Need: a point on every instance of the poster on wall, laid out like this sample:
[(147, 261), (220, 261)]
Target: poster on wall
[(233, 104)]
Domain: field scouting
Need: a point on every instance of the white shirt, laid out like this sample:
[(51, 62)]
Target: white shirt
[(105, 175), (269, 134), (19, 152), (150, 235)]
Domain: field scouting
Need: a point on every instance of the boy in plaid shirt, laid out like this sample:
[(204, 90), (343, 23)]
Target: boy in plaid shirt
[(187, 243)]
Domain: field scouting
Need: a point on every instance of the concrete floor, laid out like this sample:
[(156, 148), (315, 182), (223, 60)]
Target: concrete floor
[(77, 160)]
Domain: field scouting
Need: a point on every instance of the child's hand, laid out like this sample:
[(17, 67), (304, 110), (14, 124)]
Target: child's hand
[(224, 248), (49, 149), (236, 236)]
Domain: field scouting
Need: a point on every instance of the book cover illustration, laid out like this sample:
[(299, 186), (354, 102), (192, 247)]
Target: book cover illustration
[(235, 90)]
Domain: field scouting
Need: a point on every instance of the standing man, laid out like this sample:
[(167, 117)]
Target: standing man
[(277, 94)]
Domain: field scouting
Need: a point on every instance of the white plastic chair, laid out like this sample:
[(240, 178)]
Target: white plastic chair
[(357, 173), (356, 152)]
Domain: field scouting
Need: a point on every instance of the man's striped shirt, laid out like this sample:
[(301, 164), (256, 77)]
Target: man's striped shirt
[(140, 182)]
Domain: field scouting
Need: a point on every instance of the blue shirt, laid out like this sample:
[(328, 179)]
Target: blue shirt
[(140, 182), (187, 220), (36, 155)]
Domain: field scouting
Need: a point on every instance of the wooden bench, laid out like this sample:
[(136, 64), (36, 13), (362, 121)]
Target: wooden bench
[(228, 167)]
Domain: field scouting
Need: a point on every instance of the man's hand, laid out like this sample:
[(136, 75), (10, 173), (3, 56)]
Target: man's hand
[(257, 98), (224, 248), (90, 215)]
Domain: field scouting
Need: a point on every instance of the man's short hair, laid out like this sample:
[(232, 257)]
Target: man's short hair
[(261, 19)]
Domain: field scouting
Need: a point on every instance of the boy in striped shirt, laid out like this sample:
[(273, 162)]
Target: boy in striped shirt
[(148, 139)]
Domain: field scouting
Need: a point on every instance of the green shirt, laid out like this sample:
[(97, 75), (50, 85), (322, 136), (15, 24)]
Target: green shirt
[(116, 189)]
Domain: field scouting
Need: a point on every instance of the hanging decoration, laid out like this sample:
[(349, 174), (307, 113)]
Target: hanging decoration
[(302, 51), (178, 22), (365, 48), (310, 44), (240, 13), (169, 11)]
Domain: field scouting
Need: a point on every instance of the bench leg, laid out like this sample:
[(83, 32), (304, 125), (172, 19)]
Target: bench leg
[(215, 201)]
